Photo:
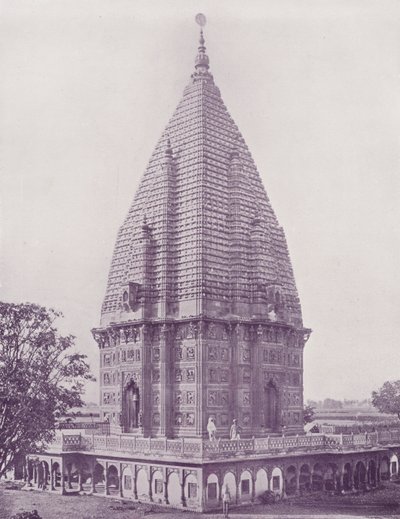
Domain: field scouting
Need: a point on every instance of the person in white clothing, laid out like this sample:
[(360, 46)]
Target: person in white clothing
[(235, 430), (226, 499), (211, 429)]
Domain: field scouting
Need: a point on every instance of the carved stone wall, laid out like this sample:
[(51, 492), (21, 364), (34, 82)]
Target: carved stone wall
[(189, 371)]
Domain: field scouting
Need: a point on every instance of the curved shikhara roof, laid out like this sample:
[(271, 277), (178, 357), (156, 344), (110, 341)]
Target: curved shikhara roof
[(207, 212)]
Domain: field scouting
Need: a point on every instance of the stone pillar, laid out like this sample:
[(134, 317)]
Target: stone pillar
[(150, 477), (182, 482), (39, 474), (45, 475), (69, 475), (120, 488), (253, 488), (24, 471), (204, 493), (297, 491), (93, 480), (165, 482), (183, 497), (62, 479), (284, 484), (52, 481), (341, 481), (166, 492), (135, 496), (35, 474), (237, 490), (80, 479), (335, 481), (28, 472), (107, 491)]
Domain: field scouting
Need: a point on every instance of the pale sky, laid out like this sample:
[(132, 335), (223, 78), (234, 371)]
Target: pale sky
[(86, 88)]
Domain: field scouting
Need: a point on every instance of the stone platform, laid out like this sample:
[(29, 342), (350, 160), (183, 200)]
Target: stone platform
[(190, 472)]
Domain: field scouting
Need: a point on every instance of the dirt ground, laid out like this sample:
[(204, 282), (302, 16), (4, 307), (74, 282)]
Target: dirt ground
[(381, 503)]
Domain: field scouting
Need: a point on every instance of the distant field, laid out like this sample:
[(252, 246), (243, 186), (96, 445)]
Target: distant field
[(354, 415)]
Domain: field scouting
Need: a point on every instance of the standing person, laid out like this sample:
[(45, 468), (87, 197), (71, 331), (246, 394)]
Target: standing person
[(212, 430), (226, 499), (235, 430)]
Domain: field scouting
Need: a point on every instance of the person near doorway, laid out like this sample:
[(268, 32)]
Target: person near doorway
[(226, 499), (235, 430)]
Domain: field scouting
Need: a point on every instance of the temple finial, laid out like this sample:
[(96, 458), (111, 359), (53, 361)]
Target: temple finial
[(202, 61), (201, 40)]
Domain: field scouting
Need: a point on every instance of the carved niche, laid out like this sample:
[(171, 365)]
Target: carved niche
[(130, 296)]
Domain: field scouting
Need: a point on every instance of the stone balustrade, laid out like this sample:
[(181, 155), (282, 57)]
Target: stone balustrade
[(203, 449)]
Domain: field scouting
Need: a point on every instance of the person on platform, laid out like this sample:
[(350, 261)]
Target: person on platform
[(211, 429), (226, 499), (235, 430)]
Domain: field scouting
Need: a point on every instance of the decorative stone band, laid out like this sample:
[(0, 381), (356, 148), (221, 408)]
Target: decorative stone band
[(205, 327)]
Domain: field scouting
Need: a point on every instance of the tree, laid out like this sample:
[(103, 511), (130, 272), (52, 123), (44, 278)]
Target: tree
[(387, 398), (308, 414), (331, 403), (40, 379)]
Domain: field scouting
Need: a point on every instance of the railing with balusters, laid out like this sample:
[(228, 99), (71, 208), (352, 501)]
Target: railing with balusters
[(199, 448)]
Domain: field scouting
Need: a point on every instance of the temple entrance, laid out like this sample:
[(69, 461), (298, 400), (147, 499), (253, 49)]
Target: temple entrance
[(271, 406), (132, 406)]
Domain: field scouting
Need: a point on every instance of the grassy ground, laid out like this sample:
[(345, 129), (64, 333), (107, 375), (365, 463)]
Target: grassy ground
[(380, 503)]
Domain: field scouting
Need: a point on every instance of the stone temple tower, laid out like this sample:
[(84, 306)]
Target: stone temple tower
[(201, 316)]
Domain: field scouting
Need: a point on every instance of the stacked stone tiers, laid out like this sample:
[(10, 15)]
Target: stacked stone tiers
[(201, 237)]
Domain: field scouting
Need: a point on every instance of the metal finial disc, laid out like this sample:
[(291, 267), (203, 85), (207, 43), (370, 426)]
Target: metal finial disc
[(201, 19)]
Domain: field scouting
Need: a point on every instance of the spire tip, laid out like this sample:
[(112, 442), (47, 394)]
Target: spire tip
[(200, 19)]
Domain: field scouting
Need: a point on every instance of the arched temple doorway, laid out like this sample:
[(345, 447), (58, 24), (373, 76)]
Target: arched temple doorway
[(291, 476), (99, 479), (112, 480), (305, 479), (371, 473), (360, 476), (384, 468), (131, 406), (271, 406), (317, 478), (347, 477)]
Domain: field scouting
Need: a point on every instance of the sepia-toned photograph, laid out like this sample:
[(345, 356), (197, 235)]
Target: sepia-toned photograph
[(199, 259)]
